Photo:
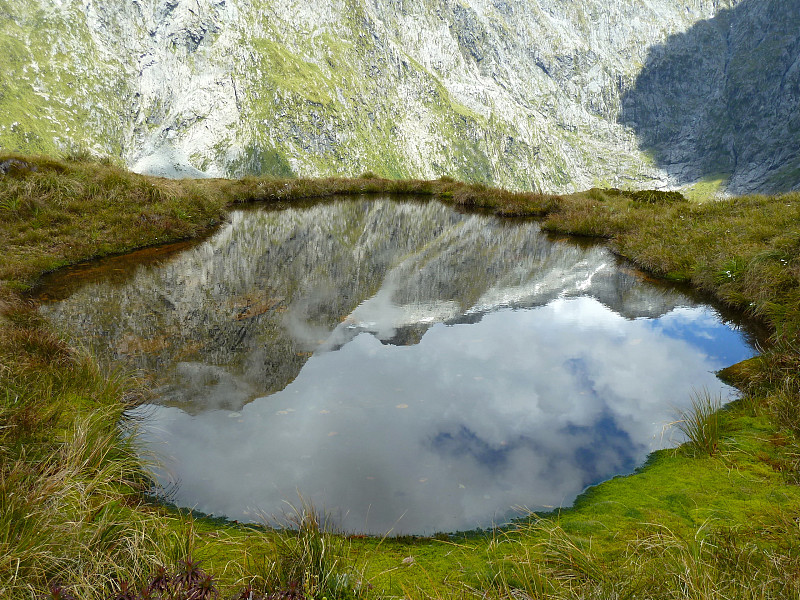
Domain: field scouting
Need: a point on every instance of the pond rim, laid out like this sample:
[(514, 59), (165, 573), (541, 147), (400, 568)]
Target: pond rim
[(756, 333)]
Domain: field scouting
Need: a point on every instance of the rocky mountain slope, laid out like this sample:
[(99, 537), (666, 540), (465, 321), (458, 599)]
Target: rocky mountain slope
[(520, 93)]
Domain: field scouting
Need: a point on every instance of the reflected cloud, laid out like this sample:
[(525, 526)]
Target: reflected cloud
[(402, 366), (527, 407)]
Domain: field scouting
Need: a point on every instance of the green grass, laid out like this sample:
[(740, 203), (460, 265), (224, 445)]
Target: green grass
[(707, 189), (700, 424), (70, 480), (716, 519)]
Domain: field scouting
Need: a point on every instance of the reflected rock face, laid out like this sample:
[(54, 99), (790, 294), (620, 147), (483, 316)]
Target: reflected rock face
[(403, 366), (238, 316)]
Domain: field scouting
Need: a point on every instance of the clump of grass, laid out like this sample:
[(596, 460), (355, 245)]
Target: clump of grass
[(784, 404), (313, 560), (708, 564), (603, 194), (70, 480), (700, 423), (656, 197), (80, 155)]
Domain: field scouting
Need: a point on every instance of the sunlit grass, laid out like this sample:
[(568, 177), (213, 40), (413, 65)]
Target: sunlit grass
[(542, 560), (707, 189), (700, 423)]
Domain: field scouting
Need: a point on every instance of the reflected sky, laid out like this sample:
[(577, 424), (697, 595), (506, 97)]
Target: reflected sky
[(525, 408), (403, 367)]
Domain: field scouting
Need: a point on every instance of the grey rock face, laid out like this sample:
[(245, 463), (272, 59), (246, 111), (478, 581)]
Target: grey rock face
[(545, 94), (724, 97)]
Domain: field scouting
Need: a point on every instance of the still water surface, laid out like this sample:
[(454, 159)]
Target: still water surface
[(401, 366)]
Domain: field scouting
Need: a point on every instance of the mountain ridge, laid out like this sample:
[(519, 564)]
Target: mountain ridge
[(524, 95)]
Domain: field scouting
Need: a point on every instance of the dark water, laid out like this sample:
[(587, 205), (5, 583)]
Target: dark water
[(402, 367)]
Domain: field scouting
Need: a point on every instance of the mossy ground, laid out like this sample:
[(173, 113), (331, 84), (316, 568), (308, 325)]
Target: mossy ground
[(707, 189), (688, 524)]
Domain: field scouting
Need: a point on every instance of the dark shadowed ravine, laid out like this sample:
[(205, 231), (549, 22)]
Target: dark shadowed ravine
[(723, 99), (401, 366)]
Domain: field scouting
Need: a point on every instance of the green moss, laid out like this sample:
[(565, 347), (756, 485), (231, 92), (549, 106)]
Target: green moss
[(707, 188), (740, 373)]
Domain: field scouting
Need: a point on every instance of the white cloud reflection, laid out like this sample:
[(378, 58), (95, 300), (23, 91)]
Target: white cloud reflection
[(526, 407)]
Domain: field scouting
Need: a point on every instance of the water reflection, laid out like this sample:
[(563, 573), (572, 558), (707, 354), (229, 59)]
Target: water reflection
[(402, 366)]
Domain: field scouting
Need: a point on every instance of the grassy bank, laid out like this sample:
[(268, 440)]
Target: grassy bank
[(717, 518)]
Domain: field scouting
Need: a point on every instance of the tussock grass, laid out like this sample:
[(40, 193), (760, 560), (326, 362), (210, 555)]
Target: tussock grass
[(700, 424), (73, 516), (313, 559), (542, 560), (69, 477)]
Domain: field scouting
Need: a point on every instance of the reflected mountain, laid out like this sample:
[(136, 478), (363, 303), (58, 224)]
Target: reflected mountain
[(403, 366), (237, 316)]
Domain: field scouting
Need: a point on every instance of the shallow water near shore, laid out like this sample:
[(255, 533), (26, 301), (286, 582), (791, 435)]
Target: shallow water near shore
[(401, 366)]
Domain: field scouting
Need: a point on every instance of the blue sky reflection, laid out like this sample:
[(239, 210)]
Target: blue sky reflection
[(526, 407)]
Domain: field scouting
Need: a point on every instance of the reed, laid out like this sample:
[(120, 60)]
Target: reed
[(700, 424)]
